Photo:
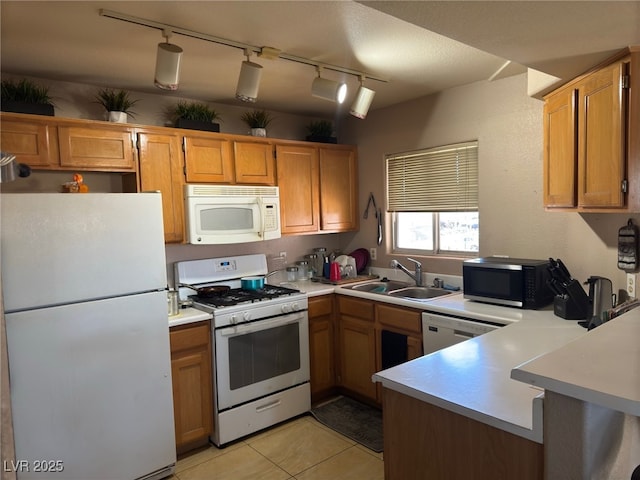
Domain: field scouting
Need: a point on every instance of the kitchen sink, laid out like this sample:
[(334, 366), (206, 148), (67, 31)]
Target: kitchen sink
[(379, 287), (419, 293)]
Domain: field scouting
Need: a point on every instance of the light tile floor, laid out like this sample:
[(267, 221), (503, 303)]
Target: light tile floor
[(301, 449)]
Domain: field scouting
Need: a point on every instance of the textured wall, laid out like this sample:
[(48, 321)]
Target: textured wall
[(508, 126)]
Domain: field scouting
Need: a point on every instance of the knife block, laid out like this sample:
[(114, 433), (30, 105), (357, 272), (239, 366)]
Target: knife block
[(573, 305)]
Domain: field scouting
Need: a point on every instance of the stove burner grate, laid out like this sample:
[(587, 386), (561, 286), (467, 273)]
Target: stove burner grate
[(236, 296)]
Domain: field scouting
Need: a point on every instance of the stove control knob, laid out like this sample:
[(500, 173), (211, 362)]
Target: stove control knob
[(233, 319), (286, 308), (295, 307), (246, 316)]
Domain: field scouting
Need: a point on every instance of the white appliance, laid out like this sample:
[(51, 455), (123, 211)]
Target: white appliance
[(260, 345), (84, 286), (222, 214), (441, 331)]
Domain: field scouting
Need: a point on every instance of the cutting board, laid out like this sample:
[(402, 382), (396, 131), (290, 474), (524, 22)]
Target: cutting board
[(359, 278)]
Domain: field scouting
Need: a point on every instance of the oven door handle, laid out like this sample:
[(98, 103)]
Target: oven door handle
[(259, 325)]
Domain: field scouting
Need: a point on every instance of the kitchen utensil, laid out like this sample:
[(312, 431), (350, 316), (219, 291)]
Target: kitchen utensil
[(252, 283), (208, 291), (361, 256), (303, 270), (334, 272), (378, 213), (342, 260), (600, 300), (172, 300), (628, 247)]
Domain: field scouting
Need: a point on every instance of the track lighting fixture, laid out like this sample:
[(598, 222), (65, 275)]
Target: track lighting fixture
[(249, 80), (169, 56), (363, 100), (167, 64), (328, 89)]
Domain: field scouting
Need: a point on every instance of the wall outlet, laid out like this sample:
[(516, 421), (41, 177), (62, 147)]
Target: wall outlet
[(632, 281), (373, 253)]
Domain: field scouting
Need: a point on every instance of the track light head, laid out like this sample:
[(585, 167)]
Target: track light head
[(328, 89), (363, 100), (167, 64), (248, 81)]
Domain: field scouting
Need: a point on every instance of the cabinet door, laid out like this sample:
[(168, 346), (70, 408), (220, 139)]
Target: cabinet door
[(254, 163), (32, 141), (299, 192), (560, 152), (192, 380), (208, 160), (357, 356), (97, 149), (321, 345), (161, 169), (601, 147), (338, 190)]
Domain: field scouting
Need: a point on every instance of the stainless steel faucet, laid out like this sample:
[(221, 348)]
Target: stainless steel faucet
[(417, 277)]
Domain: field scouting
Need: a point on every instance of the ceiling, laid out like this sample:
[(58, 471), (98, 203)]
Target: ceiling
[(420, 47)]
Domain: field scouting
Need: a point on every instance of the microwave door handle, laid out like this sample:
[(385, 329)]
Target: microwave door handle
[(261, 210)]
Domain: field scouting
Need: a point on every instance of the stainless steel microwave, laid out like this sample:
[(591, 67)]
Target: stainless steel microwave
[(223, 214), (513, 282)]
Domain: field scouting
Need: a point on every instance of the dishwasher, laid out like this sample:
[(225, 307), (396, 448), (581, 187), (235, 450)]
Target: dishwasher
[(441, 331)]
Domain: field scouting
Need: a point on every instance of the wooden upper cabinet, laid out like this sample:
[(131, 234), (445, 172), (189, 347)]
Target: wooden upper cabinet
[(299, 192), (601, 147), (560, 150), (31, 139), (104, 148), (254, 163), (208, 160), (592, 139), (161, 169), (338, 189)]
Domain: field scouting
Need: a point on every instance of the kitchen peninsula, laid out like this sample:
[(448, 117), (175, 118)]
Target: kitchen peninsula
[(462, 402)]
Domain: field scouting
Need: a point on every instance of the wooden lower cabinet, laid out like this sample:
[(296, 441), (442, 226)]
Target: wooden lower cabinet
[(322, 347), (192, 384), (361, 351), (357, 346), (422, 441)]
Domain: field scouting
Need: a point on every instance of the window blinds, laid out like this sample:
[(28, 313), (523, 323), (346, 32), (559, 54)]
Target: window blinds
[(440, 179)]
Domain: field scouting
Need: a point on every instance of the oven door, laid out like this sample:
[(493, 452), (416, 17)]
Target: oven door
[(259, 358)]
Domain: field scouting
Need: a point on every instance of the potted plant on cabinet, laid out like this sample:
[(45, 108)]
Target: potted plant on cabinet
[(257, 120), (117, 104), (26, 97), (321, 131), (195, 116)]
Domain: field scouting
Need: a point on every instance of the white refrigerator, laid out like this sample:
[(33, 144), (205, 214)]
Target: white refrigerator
[(83, 282)]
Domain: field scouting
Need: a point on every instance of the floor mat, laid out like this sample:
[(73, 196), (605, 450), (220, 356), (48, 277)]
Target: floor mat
[(352, 419)]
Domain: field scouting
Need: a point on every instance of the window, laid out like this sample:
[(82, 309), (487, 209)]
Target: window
[(433, 197)]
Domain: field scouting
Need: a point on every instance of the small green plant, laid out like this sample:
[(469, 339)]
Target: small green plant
[(116, 101), (195, 111), (257, 118), (320, 128), (25, 91)]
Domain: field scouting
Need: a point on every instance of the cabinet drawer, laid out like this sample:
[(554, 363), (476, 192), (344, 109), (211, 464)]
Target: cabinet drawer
[(189, 336), (402, 318), (356, 308), (320, 306)]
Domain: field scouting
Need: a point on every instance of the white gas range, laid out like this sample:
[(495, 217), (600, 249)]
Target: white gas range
[(260, 345)]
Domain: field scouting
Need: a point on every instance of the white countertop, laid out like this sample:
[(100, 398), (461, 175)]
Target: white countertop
[(473, 378), (188, 315), (600, 368)]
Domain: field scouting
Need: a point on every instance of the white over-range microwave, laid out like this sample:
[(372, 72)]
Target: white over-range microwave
[(223, 214)]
